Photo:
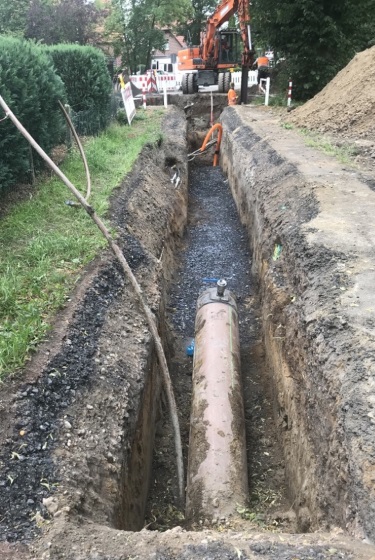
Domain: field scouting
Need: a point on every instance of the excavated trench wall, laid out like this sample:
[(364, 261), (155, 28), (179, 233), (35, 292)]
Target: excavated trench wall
[(95, 386), (154, 220), (320, 362), (149, 212)]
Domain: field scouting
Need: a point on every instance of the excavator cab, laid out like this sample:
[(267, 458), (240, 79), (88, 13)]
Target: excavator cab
[(229, 48)]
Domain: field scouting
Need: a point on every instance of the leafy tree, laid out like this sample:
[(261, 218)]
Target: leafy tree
[(201, 10), (65, 21), (360, 23), (135, 27), (316, 37), (13, 17)]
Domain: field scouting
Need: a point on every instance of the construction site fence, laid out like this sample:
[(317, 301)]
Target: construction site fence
[(172, 82), (252, 78)]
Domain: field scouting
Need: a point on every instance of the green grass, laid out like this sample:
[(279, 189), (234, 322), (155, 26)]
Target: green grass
[(343, 154), (275, 100), (44, 243), (287, 126)]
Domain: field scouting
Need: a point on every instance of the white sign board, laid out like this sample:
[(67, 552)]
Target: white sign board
[(128, 100)]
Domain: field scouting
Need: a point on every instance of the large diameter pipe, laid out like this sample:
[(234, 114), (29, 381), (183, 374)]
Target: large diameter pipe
[(217, 473)]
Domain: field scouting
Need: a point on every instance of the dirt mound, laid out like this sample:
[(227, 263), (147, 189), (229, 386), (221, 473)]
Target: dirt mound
[(346, 105)]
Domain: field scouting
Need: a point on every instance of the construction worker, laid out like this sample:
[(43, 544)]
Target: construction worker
[(232, 97), (262, 64), (225, 49)]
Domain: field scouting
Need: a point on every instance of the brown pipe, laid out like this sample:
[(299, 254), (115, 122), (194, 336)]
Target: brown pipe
[(217, 473), (218, 127)]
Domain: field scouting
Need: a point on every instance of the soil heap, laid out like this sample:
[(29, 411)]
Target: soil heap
[(346, 105)]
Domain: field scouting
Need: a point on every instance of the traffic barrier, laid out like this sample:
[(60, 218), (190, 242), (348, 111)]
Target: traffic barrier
[(139, 81), (151, 82), (167, 80), (156, 83)]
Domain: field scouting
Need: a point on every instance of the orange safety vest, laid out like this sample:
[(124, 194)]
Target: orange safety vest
[(232, 97), (263, 61)]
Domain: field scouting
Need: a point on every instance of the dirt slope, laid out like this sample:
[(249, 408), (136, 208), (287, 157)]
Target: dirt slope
[(346, 105)]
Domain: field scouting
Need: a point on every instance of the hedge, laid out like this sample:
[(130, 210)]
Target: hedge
[(31, 88), (88, 84)]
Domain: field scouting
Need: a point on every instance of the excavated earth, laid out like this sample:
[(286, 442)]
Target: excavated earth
[(344, 110), (78, 427)]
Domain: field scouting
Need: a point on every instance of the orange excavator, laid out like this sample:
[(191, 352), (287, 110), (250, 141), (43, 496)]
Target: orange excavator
[(219, 51)]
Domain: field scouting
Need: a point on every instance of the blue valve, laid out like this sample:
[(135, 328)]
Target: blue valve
[(190, 348)]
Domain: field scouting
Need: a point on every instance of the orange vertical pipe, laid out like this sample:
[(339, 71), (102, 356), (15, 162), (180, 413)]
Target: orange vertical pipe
[(217, 472), (218, 127)]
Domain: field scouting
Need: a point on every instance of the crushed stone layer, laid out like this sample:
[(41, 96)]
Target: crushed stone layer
[(215, 245)]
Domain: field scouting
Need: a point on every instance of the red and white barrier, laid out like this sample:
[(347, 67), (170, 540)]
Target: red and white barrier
[(290, 86), (139, 81), (155, 83), (168, 80), (151, 83)]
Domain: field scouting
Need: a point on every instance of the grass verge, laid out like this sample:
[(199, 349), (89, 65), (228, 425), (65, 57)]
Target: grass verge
[(45, 243), (344, 154)]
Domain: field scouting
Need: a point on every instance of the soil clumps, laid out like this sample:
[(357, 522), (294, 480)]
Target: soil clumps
[(346, 105)]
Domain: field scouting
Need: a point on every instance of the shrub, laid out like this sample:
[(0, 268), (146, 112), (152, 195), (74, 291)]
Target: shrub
[(121, 117), (31, 88), (88, 84)]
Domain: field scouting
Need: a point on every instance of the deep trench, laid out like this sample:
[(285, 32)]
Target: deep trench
[(216, 245)]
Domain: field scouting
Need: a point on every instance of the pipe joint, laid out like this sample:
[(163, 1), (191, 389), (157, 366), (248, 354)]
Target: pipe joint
[(221, 285), (211, 296)]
